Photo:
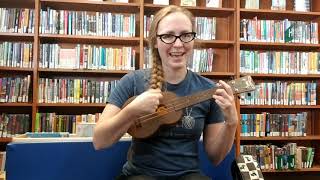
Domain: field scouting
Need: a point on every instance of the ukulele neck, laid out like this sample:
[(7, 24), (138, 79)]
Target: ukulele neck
[(243, 84), (196, 98)]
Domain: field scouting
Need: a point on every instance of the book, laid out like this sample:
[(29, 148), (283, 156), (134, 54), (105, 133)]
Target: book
[(161, 2), (188, 3), (214, 3), (2, 160), (46, 134)]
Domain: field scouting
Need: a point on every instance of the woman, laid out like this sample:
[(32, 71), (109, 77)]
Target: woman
[(171, 153)]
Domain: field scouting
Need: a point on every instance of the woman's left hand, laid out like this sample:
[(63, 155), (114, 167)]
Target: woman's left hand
[(225, 99)]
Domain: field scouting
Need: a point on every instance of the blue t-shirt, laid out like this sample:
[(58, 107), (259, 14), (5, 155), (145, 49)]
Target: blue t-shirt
[(173, 149)]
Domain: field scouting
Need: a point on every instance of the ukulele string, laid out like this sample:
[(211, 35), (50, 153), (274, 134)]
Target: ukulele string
[(172, 105)]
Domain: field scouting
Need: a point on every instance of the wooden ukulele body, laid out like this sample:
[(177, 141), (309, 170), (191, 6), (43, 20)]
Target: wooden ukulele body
[(145, 127)]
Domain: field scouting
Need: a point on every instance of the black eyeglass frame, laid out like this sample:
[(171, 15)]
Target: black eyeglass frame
[(176, 37)]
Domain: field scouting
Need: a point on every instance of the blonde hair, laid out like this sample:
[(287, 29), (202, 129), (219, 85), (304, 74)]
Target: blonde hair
[(157, 77)]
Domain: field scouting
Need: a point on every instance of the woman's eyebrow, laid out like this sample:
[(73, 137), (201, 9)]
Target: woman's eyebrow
[(172, 32)]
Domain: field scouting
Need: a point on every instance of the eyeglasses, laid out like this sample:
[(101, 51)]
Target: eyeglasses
[(170, 38)]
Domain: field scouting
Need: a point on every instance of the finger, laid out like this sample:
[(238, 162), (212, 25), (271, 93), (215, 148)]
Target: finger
[(225, 101), (219, 98), (226, 87), (223, 93), (220, 104), (154, 90)]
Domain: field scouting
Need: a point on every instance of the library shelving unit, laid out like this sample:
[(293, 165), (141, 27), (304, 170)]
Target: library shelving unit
[(65, 40), (26, 107), (226, 45), (264, 12)]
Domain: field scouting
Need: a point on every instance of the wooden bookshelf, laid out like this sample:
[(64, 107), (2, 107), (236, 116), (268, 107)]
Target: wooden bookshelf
[(227, 47), (264, 12), (283, 138), (278, 107)]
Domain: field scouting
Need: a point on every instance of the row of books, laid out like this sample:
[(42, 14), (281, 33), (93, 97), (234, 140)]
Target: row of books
[(87, 57), (252, 4), (17, 20), (258, 30), (15, 89), (52, 122), (205, 27), (87, 23), (266, 124), (74, 90), (209, 3), (278, 5), (298, 5), (282, 93), (201, 60), (290, 156), (14, 124), (279, 62), (16, 54)]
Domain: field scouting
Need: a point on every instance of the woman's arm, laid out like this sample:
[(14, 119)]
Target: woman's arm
[(114, 121), (218, 138)]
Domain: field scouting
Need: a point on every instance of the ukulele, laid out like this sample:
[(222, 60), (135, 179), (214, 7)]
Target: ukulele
[(170, 108)]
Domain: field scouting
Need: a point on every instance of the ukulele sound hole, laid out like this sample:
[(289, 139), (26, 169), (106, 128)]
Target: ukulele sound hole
[(161, 108)]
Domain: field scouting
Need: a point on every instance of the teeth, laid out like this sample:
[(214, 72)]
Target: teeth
[(176, 54)]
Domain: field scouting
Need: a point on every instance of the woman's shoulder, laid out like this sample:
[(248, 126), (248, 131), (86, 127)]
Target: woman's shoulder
[(138, 74), (199, 79)]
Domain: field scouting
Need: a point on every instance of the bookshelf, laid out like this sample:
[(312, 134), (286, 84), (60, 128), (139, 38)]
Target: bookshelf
[(226, 65), (264, 12)]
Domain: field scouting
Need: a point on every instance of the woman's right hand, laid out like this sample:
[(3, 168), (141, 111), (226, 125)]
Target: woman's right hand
[(146, 102)]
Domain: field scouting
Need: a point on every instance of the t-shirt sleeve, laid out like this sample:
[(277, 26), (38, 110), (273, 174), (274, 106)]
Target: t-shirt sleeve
[(123, 91), (215, 114)]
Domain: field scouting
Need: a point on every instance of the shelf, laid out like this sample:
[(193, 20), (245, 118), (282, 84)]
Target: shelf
[(279, 46), (6, 36), (197, 11), (101, 6), (71, 105), (15, 69), (15, 104), (214, 43), (58, 38), (283, 138), (282, 76), (278, 15), (217, 74), (278, 107), (209, 43), (17, 4), (5, 140), (86, 72), (313, 169)]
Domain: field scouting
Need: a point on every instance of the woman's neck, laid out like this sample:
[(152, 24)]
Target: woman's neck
[(174, 76)]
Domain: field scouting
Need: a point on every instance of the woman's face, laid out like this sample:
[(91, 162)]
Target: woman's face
[(174, 56)]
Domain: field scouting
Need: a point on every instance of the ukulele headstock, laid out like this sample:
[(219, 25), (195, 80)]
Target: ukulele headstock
[(241, 85)]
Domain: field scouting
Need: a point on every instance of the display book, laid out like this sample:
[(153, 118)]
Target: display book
[(279, 121), (225, 45)]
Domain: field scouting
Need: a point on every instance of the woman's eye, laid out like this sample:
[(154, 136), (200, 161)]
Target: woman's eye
[(167, 36), (186, 35)]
